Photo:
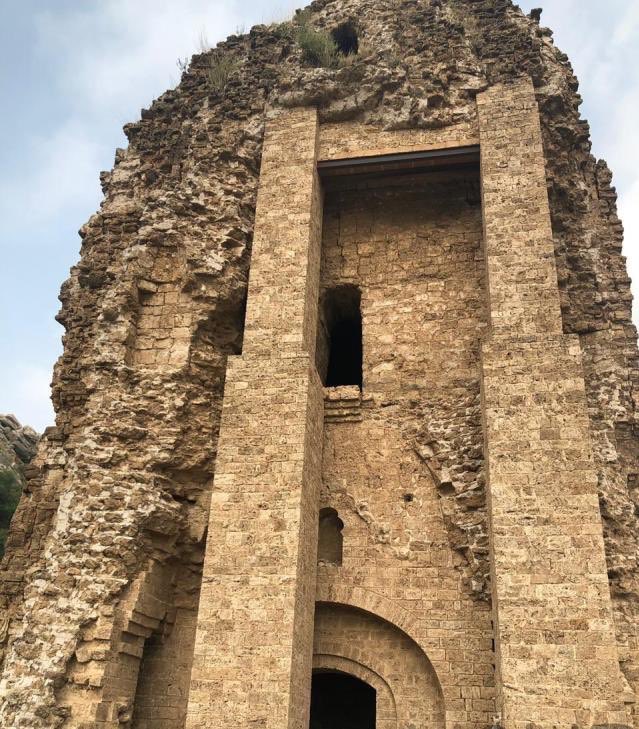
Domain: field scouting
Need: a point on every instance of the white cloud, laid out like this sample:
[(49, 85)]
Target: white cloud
[(61, 172), (28, 395), (620, 142), (124, 53), (627, 26), (123, 50)]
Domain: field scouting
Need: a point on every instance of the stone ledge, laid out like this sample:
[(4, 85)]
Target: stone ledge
[(342, 404)]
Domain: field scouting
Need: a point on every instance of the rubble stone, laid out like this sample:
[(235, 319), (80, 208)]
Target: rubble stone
[(161, 567)]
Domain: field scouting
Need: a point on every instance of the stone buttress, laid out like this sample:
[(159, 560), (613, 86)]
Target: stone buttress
[(556, 656), (253, 649)]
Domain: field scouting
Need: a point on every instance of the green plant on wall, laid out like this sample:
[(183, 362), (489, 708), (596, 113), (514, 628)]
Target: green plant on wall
[(220, 69), (10, 490), (318, 46), (326, 48)]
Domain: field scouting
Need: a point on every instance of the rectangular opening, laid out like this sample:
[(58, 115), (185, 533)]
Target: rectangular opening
[(405, 232), (434, 160)]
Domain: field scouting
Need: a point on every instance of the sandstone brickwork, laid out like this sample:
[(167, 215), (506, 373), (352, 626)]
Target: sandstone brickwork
[(478, 491), (413, 246), (556, 650), (254, 646)]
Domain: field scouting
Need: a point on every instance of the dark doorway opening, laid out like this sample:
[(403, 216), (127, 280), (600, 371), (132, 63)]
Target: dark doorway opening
[(345, 358), (345, 37), (340, 347), (340, 701)]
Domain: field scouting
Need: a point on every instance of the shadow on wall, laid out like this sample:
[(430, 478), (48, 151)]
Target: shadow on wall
[(10, 492)]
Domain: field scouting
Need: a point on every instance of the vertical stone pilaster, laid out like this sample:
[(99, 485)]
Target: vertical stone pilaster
[(283, 296), (253, 655), (556, 648), (522, 275)]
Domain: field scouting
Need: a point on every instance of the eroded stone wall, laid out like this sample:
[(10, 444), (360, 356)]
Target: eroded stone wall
[(124, 477)]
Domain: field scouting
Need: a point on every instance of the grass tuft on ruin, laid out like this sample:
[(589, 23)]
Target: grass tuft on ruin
[(220, 70), (318, 48)]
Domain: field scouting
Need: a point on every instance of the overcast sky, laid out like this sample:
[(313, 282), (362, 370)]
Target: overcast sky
[(72, 72)]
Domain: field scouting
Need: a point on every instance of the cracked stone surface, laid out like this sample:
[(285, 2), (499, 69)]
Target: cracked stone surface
[(118, 494)]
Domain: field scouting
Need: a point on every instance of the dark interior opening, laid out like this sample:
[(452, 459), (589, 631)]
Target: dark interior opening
[(345, 358), (330, 542), (340, 346), (345, 37), (340, 701)]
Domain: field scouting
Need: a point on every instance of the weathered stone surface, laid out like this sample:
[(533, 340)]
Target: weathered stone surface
[(101, 585), (18, 444)]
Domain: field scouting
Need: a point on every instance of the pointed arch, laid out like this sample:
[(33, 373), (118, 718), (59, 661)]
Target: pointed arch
[(351, 595), (362, 637)]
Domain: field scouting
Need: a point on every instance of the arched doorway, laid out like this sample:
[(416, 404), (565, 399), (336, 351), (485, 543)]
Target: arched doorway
[(341, 701), (356, 642)]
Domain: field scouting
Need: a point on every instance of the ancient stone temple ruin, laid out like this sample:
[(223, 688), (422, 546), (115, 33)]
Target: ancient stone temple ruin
[(346, 426)]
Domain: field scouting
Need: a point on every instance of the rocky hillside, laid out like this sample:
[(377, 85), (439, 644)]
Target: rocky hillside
[(18, 445)]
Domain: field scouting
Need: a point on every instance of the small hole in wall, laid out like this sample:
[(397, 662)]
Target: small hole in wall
[(409, 498), (345, 37), (447, 489)]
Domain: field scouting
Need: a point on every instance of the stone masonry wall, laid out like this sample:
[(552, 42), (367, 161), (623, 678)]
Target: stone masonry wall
[(557, 658), (123, 481), (407, 479), (255, 626)]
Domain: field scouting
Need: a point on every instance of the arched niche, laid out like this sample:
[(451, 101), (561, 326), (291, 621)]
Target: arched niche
[(330, 545)]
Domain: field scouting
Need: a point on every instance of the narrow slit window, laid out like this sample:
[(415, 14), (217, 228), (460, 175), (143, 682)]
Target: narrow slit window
[(331, 542), (340, 351)]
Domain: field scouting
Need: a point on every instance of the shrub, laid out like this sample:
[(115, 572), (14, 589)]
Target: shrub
[(318, 46)]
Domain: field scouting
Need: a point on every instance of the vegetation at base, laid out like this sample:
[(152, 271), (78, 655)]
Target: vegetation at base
[(10, 491)]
